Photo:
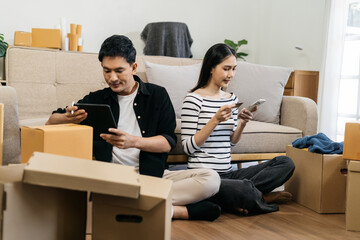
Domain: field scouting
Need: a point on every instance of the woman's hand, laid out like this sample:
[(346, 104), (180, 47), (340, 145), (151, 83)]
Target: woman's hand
[(245, 116), (223, 114)]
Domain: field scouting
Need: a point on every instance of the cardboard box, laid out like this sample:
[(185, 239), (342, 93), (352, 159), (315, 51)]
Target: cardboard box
[(317, 182), (49, 38), (1, 131), (146, 218), (352, 141), (81, 174), (64, 139), (353, 197), (22, 39), (38, 212), (46, 199)]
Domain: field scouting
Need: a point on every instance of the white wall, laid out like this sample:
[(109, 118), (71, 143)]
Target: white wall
[(273, 28)]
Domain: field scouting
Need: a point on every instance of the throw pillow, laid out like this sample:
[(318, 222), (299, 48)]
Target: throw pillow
[(177, 80), (253, 81)]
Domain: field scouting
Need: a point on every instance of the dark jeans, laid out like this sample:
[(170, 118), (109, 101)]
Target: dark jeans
[(244, 187), (266, 176)]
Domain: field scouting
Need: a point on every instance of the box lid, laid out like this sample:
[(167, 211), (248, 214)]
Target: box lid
[(354, 166), (81, 174), (57, 127)]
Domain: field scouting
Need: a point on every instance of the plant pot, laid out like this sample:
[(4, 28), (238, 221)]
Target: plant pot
[(2, 68)]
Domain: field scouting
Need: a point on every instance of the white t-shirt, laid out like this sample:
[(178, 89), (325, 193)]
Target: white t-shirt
[(127, 123)]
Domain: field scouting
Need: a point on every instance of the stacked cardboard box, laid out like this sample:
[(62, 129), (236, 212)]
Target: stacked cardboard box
[(318, 181), (48, 38), (71, 140), (352, 153), (22, 39)]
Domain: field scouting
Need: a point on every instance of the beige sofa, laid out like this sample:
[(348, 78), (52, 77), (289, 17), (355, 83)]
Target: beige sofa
[(46, 79)]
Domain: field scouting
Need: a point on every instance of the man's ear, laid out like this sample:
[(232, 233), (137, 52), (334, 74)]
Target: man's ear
[(134, 67)]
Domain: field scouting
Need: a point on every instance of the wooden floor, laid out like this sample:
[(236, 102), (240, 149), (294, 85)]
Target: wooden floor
[(292, 222)]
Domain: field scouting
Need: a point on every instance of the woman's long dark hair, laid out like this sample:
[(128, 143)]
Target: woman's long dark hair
[(215, 55)]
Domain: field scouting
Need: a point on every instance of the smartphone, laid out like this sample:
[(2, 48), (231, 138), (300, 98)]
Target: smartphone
[(237, 105), (256, 103)]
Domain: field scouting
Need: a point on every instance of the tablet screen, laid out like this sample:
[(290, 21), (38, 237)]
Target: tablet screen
[(99, 117)]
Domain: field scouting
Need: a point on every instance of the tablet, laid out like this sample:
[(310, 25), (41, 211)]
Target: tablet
[(99, 117)]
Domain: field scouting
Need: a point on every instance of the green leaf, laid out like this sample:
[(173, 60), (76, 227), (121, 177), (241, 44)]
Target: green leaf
[(2, 51), (241, 54), (230, 44), (242, 42), (236, 46)]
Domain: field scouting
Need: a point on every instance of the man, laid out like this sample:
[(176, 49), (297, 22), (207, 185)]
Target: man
[(145, 130)]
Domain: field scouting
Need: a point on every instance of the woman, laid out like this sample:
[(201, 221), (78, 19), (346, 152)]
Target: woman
[(211, 125)]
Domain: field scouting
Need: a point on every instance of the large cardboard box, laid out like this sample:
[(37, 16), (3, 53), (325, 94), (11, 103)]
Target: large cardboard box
[(352, 141), (353, 197), (22, 39), (64, 139), (317, 182), (146, 218), (48, 38), (38, 212), (1, 131), (46, 198)]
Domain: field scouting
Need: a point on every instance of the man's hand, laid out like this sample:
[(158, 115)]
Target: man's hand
[(75, 115), (72, 115), (120, 139)]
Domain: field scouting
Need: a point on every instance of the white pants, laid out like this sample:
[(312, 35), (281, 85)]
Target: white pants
[(192, 185)]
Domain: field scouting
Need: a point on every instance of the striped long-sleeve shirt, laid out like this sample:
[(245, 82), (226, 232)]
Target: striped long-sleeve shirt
[(215, 152)]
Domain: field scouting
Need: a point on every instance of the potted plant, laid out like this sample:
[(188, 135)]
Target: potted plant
[(3, 47), (236, 46)]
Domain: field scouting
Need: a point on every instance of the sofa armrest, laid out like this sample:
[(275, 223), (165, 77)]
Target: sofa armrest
[(300, 113)]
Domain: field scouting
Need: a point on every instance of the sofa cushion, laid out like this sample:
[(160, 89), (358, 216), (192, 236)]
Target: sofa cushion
[(254, 81), (271, 137), (177, 80), (164, 60)]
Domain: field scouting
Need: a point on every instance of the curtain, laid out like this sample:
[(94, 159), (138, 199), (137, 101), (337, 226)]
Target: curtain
[(331, 70)]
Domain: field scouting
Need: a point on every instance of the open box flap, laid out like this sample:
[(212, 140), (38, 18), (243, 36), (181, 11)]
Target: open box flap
[(81, 174), (153, 192), (12, 173)]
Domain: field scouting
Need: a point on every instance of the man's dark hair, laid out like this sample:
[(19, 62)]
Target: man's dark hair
[(118, 46)]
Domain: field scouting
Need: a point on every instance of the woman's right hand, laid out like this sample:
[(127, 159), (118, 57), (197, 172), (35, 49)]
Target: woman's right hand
[(223, 114)]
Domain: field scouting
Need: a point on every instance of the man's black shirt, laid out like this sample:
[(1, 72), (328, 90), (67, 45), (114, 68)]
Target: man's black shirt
[(155, 115)]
